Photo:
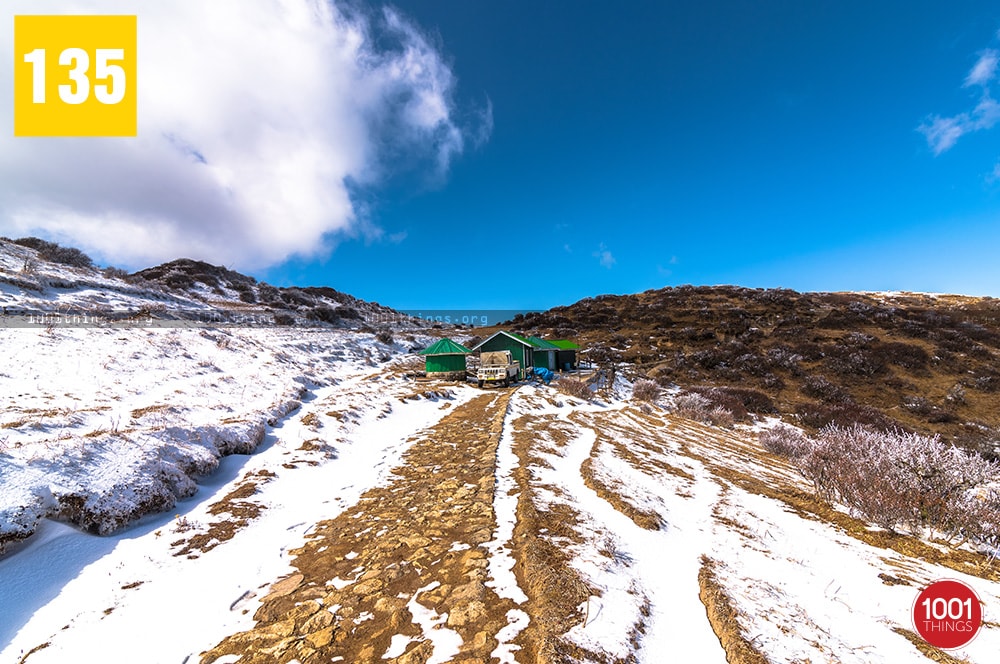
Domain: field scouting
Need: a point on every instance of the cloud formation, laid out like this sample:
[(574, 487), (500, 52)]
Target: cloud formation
[(943, 132), (257, 120), (604, 257)]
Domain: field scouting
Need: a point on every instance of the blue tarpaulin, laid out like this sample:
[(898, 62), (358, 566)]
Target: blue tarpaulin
[(543, 373)]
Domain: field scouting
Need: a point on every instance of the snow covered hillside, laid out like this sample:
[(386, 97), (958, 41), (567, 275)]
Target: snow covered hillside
[(294, 494)]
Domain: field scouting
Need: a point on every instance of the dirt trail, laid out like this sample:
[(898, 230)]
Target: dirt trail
[(407, 556)]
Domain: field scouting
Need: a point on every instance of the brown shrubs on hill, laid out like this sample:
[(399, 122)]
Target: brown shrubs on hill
[(575, 388), (899, 479), (646, 390)]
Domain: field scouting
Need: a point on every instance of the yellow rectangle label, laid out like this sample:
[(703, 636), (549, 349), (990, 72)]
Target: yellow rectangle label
[(75, 76)]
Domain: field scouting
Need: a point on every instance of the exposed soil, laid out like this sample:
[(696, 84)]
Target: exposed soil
[(419, 539)]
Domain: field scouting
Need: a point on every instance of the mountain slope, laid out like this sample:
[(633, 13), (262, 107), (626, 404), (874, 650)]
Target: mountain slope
[(278, 493), (928, 363)]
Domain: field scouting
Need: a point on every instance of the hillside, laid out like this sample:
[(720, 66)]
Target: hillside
[(39, 278), (927, 363), (181, 486)]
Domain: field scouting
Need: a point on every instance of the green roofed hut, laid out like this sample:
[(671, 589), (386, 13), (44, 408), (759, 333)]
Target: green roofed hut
[(520, 348), (566, 355), (544, 353), (445, 359)]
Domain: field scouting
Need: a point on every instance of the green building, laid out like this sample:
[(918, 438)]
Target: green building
[(520, 348), (445, 359), (566, 355), (544, 353), (532, 352)]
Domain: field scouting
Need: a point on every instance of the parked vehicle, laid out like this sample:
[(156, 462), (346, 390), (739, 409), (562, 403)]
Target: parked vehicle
[(497, 367)]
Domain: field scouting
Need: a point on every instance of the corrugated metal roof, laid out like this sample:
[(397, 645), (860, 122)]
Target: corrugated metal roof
[(446, 347), (516, 337), (542, 344), (564, 344)]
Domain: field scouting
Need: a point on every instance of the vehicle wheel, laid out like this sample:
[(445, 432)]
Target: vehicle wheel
[(480, 384), (506, 382)]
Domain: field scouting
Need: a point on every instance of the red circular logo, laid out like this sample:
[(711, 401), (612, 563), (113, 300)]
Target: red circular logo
[(947, 614)]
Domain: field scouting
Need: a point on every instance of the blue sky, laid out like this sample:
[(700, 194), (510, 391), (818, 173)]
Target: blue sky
[(594, 147), (655, 144)]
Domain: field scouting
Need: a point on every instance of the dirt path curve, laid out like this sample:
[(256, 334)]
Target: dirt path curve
[(399, 577)]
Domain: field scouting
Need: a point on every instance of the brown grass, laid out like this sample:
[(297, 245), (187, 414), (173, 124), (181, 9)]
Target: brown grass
[(927, 650), (646, 519), (31, 652), (724, 618), (808, 505), (238, 511), (554, 589)]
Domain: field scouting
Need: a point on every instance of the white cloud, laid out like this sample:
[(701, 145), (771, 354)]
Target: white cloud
[(943, 132), (257, 118), (985, 68), (604, 257), (993, 177)]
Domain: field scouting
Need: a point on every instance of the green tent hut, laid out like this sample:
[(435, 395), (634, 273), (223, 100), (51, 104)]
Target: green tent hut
[(566, 355), (520, 348), (445, 359), (544, 353)]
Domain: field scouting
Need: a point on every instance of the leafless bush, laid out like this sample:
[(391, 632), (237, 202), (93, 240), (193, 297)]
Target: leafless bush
[(324, 314), (820, 388), (268, 293), (692, 406), (908, 356), (820, 415), (726, 398), (385, 336), (897, 478), (785, 441), (784, 357), (956, 395), (55, 253), (646, 390), (721, 417), (30, 266), (575, 388), (695, 406), (918, 405), (112, 272)]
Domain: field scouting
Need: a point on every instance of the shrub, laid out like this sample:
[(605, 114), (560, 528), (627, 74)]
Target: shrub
[(905, 355), (324, 314), (785, 441), (114, 273), (692, 406), (695, 406), (725, 398), (385, 336), (784, 357), (575, 388), (918, 405), (896, 478), (55, 253), (855, 361), (820, 388), (956, 395), (268, 293), (646, 390), (820, 415)]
